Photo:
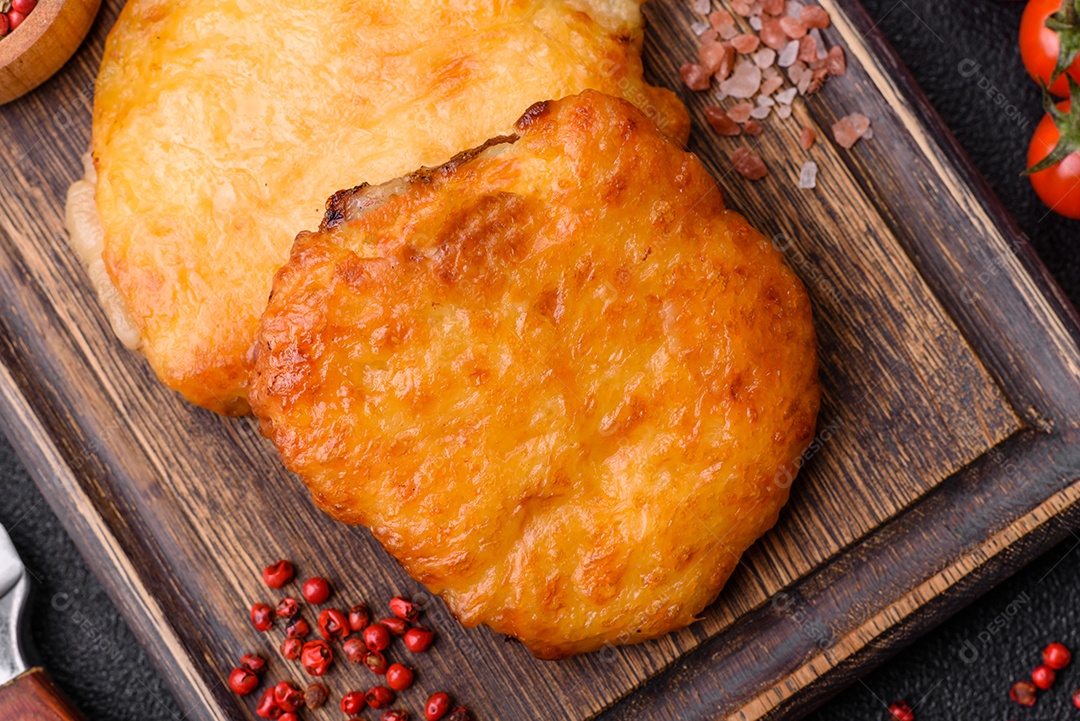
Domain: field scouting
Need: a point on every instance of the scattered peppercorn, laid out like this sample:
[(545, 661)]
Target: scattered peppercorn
[(379, 697), (901, 711), (253, 662), (376, 637), (1023, 693), (1043, 677), (419, 639), (460, 714), (288, 697), (395, 715), (437, 706), (287, 607), (315, 695), (267, 706), (376, 662), (333, 623), (243, 681), (404, 609), (399, 677), (354, 649), (277, 574), (262, 618), (1056, 656), (395, 625), (316, 590), (316, 657), (352, 702), (291, 648), (297, 628), (359, 617)]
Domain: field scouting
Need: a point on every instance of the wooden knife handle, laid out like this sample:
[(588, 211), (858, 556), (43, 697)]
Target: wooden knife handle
[(34, 697)]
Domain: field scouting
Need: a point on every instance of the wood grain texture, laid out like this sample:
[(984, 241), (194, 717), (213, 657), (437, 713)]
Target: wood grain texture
[(946, 452), (34, 697)]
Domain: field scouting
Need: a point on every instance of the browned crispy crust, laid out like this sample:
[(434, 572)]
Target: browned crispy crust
[(557, 380)]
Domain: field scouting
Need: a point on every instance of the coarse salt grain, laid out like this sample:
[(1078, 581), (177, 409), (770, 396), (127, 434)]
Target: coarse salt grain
[(836, 61), (740, 112), (721, 123), (794, 8), (749, 164), (755, 22), (765, 100), (789, 54), (702, 7), (698, 27), (814, 17), (771, 85), (849, 129), (808, 175), (783, 112), (746, 44), (787, 97), (744, 81), (761, 112), (765, 58)]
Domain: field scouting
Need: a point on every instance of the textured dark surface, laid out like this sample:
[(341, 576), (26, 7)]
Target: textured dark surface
[(963, 53)]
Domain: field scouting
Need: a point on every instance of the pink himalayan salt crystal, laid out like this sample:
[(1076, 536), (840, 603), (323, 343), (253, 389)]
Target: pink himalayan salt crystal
[(770, 86), (773, 7), (765, 58), (720, 122), (746, 44), (817, 80), (727, 62), (836, 61), (793, 28), (711, 56), (694, 76), (741, 7), (744, 82), (773, 35), (807, 138), (749, 164), (754, 128), (701, 7), (741, 112), (808, 175), (788, 55), (808, 49), (813, 16), (720, 18), (848, 130)]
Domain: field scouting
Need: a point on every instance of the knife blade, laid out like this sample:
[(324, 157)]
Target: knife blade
[(14, 591), (26, 691)]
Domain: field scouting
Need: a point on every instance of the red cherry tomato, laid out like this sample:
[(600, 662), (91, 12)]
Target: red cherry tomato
[(4, 25), (15, 18), (1039, 45), (23, 6), (1059, 185)]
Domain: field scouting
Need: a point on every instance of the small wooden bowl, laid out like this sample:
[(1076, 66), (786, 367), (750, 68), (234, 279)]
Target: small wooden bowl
[(44, 41)]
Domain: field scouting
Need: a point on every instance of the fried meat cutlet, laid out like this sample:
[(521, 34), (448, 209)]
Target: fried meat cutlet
[(556, 378)]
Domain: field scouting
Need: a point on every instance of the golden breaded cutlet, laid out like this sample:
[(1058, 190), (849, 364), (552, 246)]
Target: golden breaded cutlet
[(220, 128), (555, 377)]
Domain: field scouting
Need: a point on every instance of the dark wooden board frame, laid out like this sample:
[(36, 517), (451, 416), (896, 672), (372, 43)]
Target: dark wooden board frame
[(792, 645)]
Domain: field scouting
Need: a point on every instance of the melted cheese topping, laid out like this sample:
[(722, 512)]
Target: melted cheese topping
[(87, 239)]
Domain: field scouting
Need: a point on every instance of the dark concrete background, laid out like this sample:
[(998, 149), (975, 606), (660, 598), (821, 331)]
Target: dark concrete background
[(93, 655)]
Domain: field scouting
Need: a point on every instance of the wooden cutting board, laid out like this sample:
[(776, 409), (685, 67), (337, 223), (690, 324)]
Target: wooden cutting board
[(946, 453)]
